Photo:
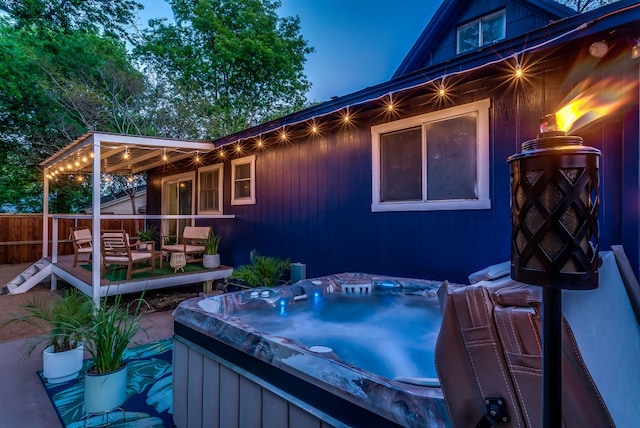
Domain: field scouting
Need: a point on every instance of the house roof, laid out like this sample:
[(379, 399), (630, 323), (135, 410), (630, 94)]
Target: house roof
[(448, 13), (625, 13)]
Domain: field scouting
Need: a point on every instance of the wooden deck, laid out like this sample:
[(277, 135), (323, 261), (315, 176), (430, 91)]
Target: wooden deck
[(80, 278)]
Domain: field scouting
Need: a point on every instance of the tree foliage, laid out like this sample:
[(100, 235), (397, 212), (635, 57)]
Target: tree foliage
[(56, 86), (585, 5), (113, 16), (227, 64)]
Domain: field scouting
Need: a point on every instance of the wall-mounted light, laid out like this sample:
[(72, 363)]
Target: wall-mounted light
[(598, 49), (635, 50)]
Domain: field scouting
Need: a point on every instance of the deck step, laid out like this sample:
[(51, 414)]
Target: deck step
[(28, 279)]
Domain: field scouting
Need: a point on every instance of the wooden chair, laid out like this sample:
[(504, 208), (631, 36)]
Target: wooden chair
[(117, 250), (190, 243), (82, 244)]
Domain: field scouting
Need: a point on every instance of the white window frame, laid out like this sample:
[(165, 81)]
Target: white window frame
[(251, 200), (478, 22), (209, 168), (483, 201)]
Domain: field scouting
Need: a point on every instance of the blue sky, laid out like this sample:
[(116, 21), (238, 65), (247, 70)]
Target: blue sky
[(358, 43)]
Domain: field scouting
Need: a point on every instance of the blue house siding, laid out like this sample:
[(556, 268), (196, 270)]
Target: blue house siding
[(314, 193)]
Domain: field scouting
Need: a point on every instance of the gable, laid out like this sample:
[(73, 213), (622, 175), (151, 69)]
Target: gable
[(437, 43)]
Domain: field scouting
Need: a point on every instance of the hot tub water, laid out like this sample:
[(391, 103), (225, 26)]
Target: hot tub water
[(390, 335)]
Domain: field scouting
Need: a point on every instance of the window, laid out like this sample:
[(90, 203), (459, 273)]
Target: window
[(243, 186), (210, 189), (481, 32), (437, 161)]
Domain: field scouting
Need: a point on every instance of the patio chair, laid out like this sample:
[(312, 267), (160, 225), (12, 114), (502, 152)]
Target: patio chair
[(118, 251), (191, 243), (82, 244)]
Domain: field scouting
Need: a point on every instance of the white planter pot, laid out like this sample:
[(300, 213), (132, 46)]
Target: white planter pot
[(104, 392), (211, 261), (61, 366)]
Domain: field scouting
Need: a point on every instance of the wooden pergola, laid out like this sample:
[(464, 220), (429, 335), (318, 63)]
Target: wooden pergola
[(104, 153)]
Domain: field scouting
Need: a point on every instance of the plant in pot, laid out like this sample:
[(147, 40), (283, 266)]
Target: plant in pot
[(147, 236), (61, 321), (262, 272), (211, 258), (107, 336)]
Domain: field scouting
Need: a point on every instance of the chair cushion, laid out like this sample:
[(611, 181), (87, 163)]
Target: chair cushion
[(135, 257), (179, 248)]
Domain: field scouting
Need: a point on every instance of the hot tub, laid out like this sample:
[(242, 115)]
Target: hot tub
[(342, 350)]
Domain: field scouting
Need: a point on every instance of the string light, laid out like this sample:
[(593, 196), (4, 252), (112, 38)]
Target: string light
[(518, 71), (260, 143), (125, 156), (197, 158), (165, 158), (283, 135), (238, 148), (390, 105)]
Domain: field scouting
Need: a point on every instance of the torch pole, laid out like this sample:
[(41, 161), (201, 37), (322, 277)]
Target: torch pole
[(551, 357)]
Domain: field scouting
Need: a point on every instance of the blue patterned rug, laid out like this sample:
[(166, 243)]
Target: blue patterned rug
[(149, 394)]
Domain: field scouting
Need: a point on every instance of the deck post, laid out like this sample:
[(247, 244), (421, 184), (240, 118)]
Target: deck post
[(95, 224)]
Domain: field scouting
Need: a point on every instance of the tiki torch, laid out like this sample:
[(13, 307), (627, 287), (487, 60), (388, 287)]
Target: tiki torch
[(554, 236)]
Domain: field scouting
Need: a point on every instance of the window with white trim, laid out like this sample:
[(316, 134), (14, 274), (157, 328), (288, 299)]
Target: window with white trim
[(243, 182), (210, 189), (481, 32), (436, 161)]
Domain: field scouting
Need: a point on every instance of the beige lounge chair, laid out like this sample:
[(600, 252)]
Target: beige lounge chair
[(117, 250), (191, 243), (82, 244)]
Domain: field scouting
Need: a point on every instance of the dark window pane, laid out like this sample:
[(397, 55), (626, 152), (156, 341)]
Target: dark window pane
[(451, 158), (468, 37), (243, 189), (493, 29), (401, 165), (243, 171)]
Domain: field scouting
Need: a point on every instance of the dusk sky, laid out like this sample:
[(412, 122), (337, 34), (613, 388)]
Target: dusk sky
[(358, 43)]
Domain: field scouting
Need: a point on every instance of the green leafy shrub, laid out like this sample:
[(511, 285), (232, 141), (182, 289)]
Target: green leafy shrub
[(263, 271)]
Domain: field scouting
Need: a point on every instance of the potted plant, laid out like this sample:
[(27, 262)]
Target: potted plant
[(107, 335), (147, 236), (211, 258), (61, 321), (262, 272)]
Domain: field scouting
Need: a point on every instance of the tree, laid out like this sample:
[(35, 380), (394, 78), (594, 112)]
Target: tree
[(113, 16), (226, 65), (585, 5), (61, 76)]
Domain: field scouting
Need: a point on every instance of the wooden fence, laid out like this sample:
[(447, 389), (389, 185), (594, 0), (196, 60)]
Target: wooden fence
[(21, 235)]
